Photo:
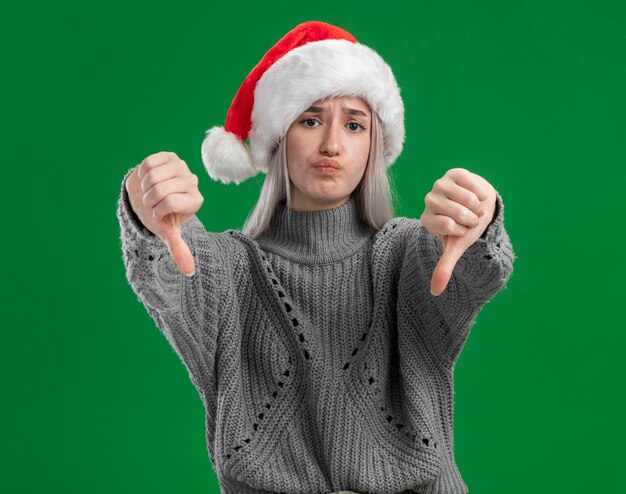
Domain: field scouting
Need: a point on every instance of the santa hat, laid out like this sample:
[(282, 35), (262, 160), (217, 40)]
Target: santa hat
[(313, 61)]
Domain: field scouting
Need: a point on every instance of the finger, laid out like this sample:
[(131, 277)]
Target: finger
[(175, 167), (464, 196), (445, 225), (472, 182), (456, 212), (158, 192), (159, 174), (180, 252), (153, 161), (453, 251), (182, 204), (441, 204)]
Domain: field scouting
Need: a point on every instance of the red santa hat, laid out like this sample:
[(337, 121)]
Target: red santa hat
[(313, 61)]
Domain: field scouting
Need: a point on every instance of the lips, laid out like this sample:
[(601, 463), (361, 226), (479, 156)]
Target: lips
[(327, 163)]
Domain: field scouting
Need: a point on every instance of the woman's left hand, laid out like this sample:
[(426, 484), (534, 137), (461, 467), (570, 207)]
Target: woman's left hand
[(458, 210)]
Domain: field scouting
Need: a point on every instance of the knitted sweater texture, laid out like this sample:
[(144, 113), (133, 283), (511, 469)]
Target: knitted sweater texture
[(322, 359)]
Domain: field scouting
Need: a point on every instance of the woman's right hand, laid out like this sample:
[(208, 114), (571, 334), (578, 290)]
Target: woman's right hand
[(164, 195)]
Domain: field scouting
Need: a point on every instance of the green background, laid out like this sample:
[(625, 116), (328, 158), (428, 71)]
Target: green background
[(529, 95)]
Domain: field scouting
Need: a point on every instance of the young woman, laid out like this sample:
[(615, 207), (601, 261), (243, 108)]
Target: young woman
[(322, 338)]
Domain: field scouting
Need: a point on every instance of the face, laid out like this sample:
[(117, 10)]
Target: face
[(333, 131)]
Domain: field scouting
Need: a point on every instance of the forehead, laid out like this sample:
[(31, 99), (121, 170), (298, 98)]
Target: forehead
[(349, 101)]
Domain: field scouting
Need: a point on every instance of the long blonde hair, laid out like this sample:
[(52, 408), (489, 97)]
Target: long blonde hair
[(373, 195)]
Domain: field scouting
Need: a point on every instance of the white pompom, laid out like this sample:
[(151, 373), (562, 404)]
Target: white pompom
[(225, 157)]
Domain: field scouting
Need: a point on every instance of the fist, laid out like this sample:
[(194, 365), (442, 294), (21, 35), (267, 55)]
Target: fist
[(164, 195), (458, 210)]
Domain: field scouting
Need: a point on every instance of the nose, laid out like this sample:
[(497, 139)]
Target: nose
[(330, 142)]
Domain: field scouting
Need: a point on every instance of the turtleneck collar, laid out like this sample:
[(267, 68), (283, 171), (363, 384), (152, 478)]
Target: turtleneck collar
[(313, 237)]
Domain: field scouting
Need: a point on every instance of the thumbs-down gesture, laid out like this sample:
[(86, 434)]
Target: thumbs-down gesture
[(458, 210)]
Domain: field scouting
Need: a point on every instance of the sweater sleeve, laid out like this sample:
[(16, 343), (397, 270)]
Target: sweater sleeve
[(482, 271), (185, 309)]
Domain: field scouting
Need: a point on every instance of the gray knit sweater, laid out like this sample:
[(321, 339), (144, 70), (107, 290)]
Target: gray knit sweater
[(321, 358)]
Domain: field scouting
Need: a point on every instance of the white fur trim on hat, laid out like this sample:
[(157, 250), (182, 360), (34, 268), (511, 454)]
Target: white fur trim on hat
[(316, 70), (225, 157)]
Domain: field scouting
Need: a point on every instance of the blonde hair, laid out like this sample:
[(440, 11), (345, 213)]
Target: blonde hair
[(373, 195)]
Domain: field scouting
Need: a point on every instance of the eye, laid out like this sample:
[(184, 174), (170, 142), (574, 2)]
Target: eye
[(358, 125), (308, 120)]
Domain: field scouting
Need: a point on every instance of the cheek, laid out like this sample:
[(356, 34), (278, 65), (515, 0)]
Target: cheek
[(295, 166), (367, 146), (296, 150), (299, 154), (364, 154)]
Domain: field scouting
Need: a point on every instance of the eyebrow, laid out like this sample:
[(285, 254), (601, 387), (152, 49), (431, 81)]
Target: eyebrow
[(351, 111)]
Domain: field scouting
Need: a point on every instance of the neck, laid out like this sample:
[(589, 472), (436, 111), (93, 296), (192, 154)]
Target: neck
[(313, 237)]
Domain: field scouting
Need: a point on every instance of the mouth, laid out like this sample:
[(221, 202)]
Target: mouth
[(327, 166)]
